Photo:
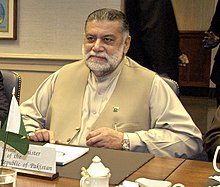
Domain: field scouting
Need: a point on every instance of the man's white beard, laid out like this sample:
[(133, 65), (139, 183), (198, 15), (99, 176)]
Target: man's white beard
[(100, 68)]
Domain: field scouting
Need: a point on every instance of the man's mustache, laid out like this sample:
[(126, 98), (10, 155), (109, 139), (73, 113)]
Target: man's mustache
[(93, 54)]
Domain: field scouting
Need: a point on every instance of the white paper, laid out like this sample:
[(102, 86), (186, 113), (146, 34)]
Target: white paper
[(144, 182), (66, 154)]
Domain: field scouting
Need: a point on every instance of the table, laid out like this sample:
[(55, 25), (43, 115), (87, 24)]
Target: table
[(158, 168), (191, 173)]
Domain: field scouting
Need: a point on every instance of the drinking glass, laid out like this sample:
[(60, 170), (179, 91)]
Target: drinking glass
[(7, 177), (214, 162)]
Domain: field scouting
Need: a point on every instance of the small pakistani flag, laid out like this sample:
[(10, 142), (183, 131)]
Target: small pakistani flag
[(13, 131)]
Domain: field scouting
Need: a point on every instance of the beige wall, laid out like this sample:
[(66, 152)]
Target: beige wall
[(194, 14), (52, 27), (50, 34)]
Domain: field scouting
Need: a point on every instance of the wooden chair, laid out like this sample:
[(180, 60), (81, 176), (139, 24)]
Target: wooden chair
[(173, 85), (11, 79)]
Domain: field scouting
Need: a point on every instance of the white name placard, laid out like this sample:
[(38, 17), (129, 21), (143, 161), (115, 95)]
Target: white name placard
[(38, 158)]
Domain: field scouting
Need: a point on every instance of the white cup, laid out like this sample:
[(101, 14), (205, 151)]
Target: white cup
[(214, 162), (178, 185)]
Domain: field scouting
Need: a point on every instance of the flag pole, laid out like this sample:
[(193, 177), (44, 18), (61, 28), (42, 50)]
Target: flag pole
[(3, 153), (6, 136)]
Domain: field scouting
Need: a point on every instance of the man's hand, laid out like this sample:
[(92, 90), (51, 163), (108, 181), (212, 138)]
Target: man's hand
[(183, 60), (105, 137), (43, 135), (210, 40)]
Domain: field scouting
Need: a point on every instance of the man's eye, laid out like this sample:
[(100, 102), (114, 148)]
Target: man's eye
[(90, 39), (107, 40)]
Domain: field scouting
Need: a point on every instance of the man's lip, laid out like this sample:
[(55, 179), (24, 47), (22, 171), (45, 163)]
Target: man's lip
[(98, 57)]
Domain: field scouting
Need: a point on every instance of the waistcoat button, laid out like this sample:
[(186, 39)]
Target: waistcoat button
[(68, 140), (77, 128)]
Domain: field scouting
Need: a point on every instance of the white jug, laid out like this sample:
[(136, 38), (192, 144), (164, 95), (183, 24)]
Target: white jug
[(97, 175)]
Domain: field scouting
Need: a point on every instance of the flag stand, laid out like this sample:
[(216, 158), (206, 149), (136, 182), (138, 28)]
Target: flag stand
[(6, 136), (13, 130), (14, 134)]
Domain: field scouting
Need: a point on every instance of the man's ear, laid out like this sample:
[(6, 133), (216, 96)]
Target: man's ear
[(127, 44)]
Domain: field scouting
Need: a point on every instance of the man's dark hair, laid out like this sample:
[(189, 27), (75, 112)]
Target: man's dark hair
[(110, 15)]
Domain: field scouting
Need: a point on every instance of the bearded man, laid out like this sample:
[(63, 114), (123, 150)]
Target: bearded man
[(108, 100)]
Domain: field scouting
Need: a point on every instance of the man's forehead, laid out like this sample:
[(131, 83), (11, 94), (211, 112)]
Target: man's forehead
[(103, 25)]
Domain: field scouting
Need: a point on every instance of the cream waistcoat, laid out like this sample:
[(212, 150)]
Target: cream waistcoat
[(128, 107)]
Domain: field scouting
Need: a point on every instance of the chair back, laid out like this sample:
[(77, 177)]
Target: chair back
[(10, 80), (173, 85)]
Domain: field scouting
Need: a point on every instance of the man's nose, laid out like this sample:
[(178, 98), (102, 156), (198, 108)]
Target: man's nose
[(98, 45)]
